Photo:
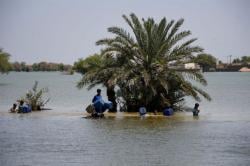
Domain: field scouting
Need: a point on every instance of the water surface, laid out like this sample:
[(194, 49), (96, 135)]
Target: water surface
[(220, 136)]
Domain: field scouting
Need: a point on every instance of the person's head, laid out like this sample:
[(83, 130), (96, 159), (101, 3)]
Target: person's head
[(196, 105), (99, 91), (14, 105), (21, 102)]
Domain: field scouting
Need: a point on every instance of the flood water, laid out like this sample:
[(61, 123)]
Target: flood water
[(220, 136)]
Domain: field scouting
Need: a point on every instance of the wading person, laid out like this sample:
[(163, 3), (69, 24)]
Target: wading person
[(21, 106), (196, 111), (168, 111), (14, 108)]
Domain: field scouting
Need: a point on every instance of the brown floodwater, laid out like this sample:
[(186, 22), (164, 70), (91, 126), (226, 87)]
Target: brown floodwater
[(219, 136), (48, 138)]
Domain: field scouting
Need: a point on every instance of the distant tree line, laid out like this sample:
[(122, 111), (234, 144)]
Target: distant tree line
[(41, 66), (243, 60), (85, 65), (6, 66), (206, 61)]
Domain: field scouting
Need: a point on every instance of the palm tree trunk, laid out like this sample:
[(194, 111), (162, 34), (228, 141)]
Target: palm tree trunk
[(112, 98)]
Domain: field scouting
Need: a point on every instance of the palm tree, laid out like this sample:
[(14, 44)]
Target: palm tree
[(146, 66)]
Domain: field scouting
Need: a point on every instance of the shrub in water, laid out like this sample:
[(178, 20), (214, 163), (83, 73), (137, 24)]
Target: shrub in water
[(35, 98)]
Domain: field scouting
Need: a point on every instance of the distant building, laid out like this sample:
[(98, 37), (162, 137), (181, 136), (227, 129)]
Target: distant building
[(187, 66), (221, 66), (233, 67), (244, 69), (192, 66)]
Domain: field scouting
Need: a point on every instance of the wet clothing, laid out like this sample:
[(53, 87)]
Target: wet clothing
[(100, 105), (168, 111), (96, 98), (24, 109), (142, 111)]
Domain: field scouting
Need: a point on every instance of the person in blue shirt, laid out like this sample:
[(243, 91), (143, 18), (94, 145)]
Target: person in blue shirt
[(142, 111), (98, 102), (21, 106), (98, 96), (100, 105), (168, 111)]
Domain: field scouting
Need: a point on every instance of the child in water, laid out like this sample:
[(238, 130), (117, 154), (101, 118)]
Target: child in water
[(196, 111), (14, 108)]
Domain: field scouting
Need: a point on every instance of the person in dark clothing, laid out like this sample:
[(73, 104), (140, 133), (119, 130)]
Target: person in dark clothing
[(196, 111), (20, 107)]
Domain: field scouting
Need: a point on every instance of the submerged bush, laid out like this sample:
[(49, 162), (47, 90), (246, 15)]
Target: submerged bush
[(35, 97)]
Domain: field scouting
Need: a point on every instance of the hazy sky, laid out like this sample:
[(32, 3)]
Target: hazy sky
[(66, 30)]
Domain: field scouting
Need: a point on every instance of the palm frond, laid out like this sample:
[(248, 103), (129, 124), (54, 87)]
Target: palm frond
[(203, 93), (175, 28), (121, 33)]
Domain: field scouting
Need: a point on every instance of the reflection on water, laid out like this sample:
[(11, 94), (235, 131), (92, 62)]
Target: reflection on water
[(219, 136), (71, 140)]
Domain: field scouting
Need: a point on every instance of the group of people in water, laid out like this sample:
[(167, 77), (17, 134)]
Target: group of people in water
[(98, 107), (168, 111), (21, 107)]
